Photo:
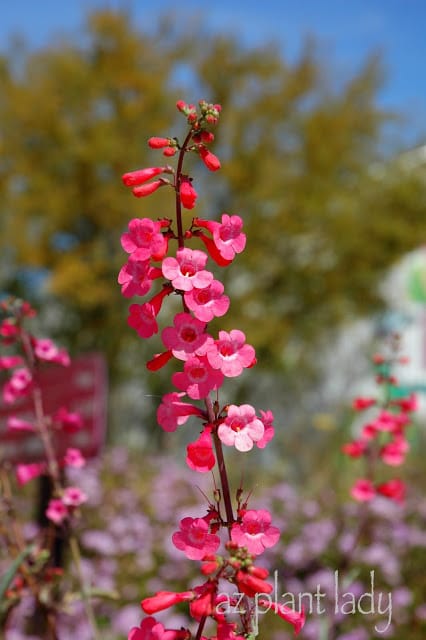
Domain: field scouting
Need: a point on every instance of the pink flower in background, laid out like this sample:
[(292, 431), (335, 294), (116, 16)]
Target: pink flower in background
[(145, 234), (26, 472), (45, 349), (8, 362), (231, 354), (172, 412), (19, 384), (136, 276), (74, 458), (360, 403), (194, 538), (187, 337), (186, 271), (16, 424), (354, 449), (73, 497), (198, 378), (56, 511), (363, 490), (241, 428), (207, 303), (150, 629), (267, 418), (70, 422), (394, 452), (200, 456), (255, 531), (394, 489)]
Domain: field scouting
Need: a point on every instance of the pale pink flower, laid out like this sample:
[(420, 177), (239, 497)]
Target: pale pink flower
[(172, 413), (198, 378), (227, 234), (145, 234), (267, 418), (136, 276), (207, 303), (19, 384), (231, 354), (187, 337), (241, 428), (26, 472), (56, 511), (194, 538), (45, 349), (74, 458), (200, 456), (363, 490), (186, 271), (73, 497), (255, 531)]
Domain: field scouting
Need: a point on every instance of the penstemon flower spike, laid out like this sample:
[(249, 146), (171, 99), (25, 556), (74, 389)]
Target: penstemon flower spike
[(229, 537)]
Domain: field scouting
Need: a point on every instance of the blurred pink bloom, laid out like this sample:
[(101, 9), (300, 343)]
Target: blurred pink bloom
[(26, 472), (45, 349), (150, 629), (255, 532), (70, 422), (354, 449), (267, 418), (8, 362), (142, 318), (363, 490), (198, 378), (73, 496), (241, 428), (207, 303), (231, 354), (18, 385), (56, 511), (360, 403), (74, 458), (186, 271), (194, 538), (394, 489), (16, 424), (394, 452)]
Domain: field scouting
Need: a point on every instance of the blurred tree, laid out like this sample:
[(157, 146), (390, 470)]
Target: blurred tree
[(298, 149)]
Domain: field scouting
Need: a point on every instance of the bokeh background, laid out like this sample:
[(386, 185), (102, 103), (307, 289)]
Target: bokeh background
[(323, 150)]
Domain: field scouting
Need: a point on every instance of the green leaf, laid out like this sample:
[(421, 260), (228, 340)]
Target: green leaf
[(13, 569)]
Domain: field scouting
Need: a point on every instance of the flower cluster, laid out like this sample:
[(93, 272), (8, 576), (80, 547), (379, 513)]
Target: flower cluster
[(382, 437), (158, 251)]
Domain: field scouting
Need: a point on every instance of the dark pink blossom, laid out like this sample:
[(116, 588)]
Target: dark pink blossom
[(150, 629), (394, 452), (74, 458), (70, 422), (145, 234), (210, 160), (140, 176), (295, 618), (230, 353), (148, 188), (255, 531), (194, 538), (172, 413), (207, 303), (16, 424), (354, 449), (27, 472), (143, 319), (186, 271), (227, 234), (241, 428), (363, 490), (136, 276), (56, 511), (73, 497), (187, 337), (200, 456), (198, 378), (394, 489), (8, 362), (45, 349), (187, 193), (165, 599), (267, 418), (19, 385)]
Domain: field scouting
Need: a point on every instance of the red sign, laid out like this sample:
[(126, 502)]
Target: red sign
[(81, 388)]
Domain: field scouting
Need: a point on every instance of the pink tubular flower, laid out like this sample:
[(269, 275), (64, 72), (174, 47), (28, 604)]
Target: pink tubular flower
[(393, 489), (241, 428), (255, 532), (142, 318), (26, 472), (295, 618), (186, 271), (159, 143), (354, 449), (198, 378), (194, 538), (8, 362), (136, 276), (231, 354), (16, 424), (200, 453), (165, 599), (227, 234), (146, 189), (150, 629), (159, 361), (187, 337), (210, 160), (73, 497), (45, 349), (19, 384), (74, 458), (187, 193), (251, 584), (268, 434), (212, 249), (172, 413), (70, 422), (134, 178), (56, 511), (207, 303), (145, 235), (394, 452), (360, 403), (204, 603), (363, 490)]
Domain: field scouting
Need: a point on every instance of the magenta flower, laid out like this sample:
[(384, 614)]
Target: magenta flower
[(56, 511), (187, 337), (394, 489), (150, 629), (70, 422), (268, 434), (241, 428), (144, 234), (231, 354), (200, 456), (227, 235), (8, 362), (142, 318), (74, 458), (172, 413), (26, 472), (188, 195), (136, 276), (194, 538), (186, 271), (394, 452), (45, 349), (73, 497), (198, 378), (363, 490), (140, 176), (17, 424), (19, 384), (165, 599), (207, 303), (255, 531)]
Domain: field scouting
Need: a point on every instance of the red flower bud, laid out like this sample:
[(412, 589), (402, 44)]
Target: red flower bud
[(164, 600), (142, 175), (210, 160), (146, 189), (188, 195), (158, 143)]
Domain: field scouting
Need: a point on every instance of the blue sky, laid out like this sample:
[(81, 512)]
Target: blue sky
[(347, 30)]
